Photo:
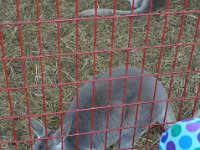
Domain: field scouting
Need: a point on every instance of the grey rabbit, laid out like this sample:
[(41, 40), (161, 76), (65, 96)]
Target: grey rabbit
[(140, 6), (101, 99)]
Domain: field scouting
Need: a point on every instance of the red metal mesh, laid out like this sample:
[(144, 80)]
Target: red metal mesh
[(95, 51)]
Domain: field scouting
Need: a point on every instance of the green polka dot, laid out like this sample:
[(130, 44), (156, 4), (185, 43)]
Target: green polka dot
[(198, 148), (176, 130)]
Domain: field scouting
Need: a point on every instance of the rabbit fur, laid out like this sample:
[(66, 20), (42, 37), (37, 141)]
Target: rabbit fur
[(101, 99), (140, 7)]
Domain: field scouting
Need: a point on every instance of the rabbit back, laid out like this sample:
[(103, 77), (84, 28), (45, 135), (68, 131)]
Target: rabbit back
[(117, 92)]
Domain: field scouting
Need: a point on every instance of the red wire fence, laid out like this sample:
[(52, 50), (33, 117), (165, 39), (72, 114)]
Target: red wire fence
[(18, 23)]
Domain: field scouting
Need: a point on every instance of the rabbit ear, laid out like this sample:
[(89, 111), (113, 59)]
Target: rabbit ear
[(37, 128), (197, 113), (66, 129)]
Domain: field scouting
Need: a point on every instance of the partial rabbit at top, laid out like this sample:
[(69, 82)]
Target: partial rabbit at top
[(140, 7), (150, 111)]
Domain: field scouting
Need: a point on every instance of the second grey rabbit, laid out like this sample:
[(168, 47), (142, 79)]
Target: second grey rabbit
[(101, 99), (140, 7)]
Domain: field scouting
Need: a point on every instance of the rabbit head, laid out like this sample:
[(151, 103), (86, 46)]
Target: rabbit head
[(53, 143)]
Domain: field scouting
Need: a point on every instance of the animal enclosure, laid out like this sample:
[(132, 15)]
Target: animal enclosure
[(48, 53)]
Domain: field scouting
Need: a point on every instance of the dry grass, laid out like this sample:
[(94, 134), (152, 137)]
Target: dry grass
[(86, 44)]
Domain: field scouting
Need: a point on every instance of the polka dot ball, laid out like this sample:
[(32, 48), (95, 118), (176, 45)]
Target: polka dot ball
[(184, 135)]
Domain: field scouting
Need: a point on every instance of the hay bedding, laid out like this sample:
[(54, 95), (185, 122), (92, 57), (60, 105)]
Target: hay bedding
[(48, 33)]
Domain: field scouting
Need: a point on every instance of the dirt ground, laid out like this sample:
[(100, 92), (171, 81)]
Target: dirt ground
[(48, 32)]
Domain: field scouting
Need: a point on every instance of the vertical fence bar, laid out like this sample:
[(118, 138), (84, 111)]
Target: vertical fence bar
[(163, 40), (8, 91), (110, 73), (60, 71), (124, 97), (126, 73), (143, 66), (155, 88), (41, 68), (189, 65), (1, 43), (177, 51), (23, 68), (94, 74), (77, 72)]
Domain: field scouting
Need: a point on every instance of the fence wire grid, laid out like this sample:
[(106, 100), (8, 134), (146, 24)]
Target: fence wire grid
[(48, 53)]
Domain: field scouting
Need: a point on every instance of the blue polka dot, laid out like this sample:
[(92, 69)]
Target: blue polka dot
[(185, 142), (160, 148), (164, 137)]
